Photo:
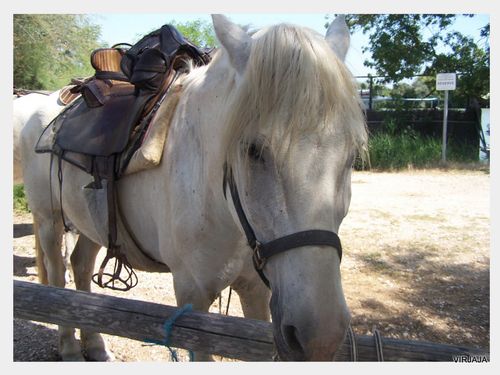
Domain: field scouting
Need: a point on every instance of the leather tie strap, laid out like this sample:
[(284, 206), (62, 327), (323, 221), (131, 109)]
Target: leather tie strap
[(263, 251)]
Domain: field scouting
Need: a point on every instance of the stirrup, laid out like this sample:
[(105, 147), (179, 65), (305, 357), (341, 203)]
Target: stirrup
[(114, 280)]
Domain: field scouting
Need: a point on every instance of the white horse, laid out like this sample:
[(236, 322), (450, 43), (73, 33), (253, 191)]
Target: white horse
[(281, 109)]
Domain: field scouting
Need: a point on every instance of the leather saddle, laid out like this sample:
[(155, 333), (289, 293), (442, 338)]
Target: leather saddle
[(124, 89)]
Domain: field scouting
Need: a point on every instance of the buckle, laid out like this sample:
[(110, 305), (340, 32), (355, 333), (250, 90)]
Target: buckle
[(258, 261)]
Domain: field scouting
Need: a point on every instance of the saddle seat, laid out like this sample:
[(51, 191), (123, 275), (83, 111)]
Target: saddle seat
[(102, 60)]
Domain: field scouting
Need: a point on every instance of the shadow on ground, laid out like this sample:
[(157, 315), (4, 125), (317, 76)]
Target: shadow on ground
[(449, 303), (34, 342), (21, 230), (21, 265)]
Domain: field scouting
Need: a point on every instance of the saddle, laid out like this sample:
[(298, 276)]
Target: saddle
[(107, 116)]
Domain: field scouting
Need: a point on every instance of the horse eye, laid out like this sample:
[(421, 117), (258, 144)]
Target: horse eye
[(255, 152)]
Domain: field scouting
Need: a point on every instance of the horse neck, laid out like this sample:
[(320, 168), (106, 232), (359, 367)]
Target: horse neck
[(198, 127)]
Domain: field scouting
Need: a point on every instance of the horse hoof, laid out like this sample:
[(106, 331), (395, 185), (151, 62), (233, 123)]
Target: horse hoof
[(72, 357), (99, 355)]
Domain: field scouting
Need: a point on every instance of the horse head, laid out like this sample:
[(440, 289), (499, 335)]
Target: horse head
[(294, 126)]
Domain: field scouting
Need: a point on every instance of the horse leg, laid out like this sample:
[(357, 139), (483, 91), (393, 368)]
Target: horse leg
[(253, 293), (40, 262), (70, 239), (49, 235), (83, 262), (187, 292)]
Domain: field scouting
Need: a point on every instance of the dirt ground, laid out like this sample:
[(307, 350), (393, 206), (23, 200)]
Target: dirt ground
[(416, 266)]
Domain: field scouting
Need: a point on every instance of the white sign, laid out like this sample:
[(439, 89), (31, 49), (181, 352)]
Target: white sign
[(446, 81)]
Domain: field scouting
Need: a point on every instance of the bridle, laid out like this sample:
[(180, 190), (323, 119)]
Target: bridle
[(263, 251)]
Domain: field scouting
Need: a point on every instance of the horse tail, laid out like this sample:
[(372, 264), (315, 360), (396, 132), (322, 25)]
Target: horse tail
[(40, 264)]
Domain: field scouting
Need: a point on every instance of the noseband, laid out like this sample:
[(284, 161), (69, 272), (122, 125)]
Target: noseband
[(263, 251)]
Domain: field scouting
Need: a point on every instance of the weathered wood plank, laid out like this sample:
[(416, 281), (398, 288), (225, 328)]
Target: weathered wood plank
[(232, 337)]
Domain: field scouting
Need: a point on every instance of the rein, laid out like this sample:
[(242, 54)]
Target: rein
[(263, 251)]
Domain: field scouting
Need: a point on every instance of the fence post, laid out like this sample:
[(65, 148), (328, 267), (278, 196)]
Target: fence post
[(445, 126)]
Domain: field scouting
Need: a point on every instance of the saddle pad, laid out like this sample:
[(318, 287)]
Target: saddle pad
[(149, 154)]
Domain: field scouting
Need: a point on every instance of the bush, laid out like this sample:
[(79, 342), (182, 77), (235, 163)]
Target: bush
[(402, 151), (20, 202), (410, 150)]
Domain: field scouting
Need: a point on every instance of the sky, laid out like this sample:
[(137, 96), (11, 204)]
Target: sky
[(129, 27)]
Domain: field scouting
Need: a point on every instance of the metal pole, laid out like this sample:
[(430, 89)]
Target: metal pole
[(445, 125), (371, 89)]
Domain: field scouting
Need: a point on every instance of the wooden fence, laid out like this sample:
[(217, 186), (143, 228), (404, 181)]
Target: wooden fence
[(232, 337)]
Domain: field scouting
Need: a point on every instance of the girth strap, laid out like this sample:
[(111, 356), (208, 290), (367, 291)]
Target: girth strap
[(263, 251)]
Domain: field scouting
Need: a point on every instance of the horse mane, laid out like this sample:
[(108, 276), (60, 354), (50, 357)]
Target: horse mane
[(293, 84)]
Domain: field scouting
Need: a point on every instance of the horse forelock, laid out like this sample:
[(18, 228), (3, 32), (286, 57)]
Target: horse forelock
[(293, 85)]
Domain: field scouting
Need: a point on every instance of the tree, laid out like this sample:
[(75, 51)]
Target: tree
[(50, 49), (405, 45), (419, 88), (199, 32), (473, 64)]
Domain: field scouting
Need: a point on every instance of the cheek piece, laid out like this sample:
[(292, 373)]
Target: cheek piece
[(263, 251)]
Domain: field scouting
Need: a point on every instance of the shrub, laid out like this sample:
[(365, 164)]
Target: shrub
[(390, 151), (20, 202)]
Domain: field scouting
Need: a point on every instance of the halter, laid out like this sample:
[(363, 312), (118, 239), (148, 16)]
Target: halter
[(263, 251)]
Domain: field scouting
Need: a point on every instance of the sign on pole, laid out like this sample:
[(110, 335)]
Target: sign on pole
[(445, 82)]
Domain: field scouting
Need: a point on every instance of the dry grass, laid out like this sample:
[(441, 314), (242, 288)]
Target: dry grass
[(417, 255)]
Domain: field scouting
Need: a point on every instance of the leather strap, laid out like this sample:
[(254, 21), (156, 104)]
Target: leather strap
[(117, 76), (247, 228), (263, 251), (314, 237)]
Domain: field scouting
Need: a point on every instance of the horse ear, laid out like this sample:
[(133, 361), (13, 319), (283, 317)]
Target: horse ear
[(338, 37), (234, 39)]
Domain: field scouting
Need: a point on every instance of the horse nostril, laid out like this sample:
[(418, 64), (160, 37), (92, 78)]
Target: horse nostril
[(291, 339)]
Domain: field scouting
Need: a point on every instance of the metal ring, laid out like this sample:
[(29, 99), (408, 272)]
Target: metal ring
[(258, 260)]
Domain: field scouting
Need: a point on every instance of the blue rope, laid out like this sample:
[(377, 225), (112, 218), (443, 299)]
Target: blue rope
[(168, 326)]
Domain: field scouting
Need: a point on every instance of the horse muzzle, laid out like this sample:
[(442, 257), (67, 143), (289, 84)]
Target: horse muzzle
[(304, 336)]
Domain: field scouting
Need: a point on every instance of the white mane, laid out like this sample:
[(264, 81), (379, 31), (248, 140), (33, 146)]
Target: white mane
[(293, 85)]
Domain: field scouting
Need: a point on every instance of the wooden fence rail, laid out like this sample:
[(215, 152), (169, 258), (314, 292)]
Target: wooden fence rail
[(232, 337)]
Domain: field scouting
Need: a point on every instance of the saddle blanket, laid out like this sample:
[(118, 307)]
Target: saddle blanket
[(149, 154)]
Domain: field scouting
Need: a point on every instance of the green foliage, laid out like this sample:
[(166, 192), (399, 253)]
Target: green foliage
[(20, 203), (468, 59), (389, 151), (392, 150), (199, 32), (396, 44), (400, 49), (419, 88), (50, 49)]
